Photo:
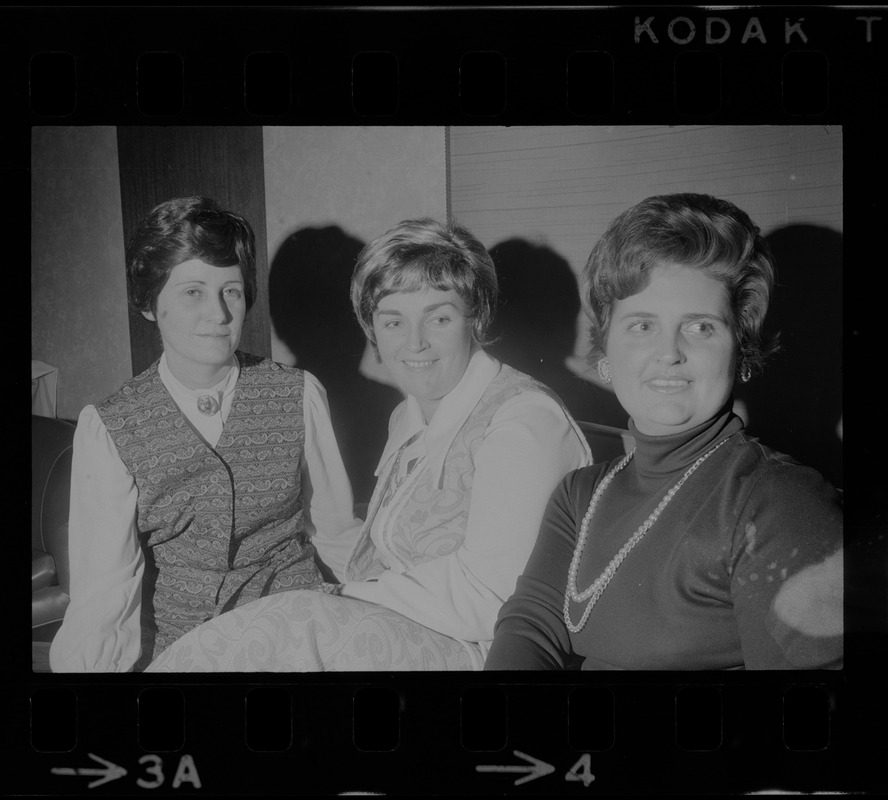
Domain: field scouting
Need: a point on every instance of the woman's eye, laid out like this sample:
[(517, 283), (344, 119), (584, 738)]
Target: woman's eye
[(701, 328), (642, 326), (439, 321), (392, 324), (192, 292), (234, 291)]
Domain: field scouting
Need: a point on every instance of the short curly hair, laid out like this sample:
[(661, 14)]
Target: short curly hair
[(426, 254), (696, 231), (182, 229)]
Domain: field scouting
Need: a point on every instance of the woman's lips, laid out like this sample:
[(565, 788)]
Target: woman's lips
[(668, 385), (419, 364)]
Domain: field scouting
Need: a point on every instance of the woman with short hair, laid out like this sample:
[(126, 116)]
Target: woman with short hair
[(473, 454), (702, 548), (210, 479)]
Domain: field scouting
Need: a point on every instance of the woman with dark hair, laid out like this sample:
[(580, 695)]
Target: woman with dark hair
[(473, 455), (209, 480), (701, 548)]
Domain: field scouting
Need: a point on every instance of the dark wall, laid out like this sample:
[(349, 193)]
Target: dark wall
[(795, 405), (224, 163)]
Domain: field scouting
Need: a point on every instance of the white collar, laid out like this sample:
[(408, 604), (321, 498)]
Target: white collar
[(181, 392), (452, 412)]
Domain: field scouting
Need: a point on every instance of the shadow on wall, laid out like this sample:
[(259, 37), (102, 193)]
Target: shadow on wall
[(795, 404), (308, 290), (536, 324)]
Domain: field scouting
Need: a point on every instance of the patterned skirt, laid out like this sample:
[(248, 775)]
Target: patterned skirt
[(310, 631)]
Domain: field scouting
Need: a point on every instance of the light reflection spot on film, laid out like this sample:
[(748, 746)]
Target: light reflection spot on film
[(751, 532), (811, 601)]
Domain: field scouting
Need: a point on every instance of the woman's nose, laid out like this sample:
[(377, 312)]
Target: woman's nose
[(416, 339), (670, 349), (218, 310)]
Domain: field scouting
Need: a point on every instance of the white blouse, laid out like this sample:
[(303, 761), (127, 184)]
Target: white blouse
[(101, 630), (530, 445)]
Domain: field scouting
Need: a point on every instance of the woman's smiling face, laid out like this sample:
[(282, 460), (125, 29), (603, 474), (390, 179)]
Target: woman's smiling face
[(672, 350), (425, 341)]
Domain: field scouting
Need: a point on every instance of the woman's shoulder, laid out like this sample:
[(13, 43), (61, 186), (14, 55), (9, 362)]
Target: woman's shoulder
[(512, 380), (512, 392), (573, 492), (765, 460), (258, 365), (249, 361), (139, 390), (582, 481), (89, 419), (779, 476)]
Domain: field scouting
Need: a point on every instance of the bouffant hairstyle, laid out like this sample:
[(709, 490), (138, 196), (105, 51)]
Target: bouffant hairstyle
[(692, 230)]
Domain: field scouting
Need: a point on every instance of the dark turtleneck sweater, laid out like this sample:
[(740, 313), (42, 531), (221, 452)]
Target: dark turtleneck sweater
[(742, 570)]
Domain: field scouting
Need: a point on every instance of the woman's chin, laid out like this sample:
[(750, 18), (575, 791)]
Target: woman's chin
[(665, 424)]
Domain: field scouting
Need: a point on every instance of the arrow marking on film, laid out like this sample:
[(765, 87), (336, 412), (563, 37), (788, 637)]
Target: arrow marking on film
[(111, 772), (537, 769)]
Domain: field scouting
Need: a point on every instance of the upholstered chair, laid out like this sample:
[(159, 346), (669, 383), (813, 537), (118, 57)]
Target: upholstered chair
[(51, 445)]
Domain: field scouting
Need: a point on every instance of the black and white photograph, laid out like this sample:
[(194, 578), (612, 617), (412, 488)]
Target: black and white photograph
[(449, 400), (486, 360)]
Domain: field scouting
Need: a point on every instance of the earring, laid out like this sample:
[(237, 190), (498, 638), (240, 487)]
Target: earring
[(604, 370), (745, 373)]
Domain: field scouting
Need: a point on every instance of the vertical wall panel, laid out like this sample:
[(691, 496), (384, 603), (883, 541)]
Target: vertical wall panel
[(78, 288), (225, 163)]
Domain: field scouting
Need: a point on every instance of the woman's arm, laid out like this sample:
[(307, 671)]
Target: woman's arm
[(530, 631), (787, 572), (326, 489), (527, 449), (101, 631)]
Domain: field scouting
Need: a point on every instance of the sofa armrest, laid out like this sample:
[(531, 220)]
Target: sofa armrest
[(43, 570)]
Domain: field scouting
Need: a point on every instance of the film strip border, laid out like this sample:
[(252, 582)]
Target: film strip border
[(484, 66), (431, 738), (455, 65)]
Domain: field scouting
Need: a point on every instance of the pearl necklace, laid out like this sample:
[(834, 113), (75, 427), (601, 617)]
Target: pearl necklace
[(600, 584)]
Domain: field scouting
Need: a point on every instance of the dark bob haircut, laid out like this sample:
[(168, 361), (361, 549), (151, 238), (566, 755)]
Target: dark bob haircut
[(182, 229), (425, 254), (691, 230)]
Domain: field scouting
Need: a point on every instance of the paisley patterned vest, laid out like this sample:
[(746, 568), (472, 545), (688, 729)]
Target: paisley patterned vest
[(218, 526), (431, 521)]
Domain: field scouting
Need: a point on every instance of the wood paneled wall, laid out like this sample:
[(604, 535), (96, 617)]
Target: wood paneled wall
[(224, 163), (541, 196)]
